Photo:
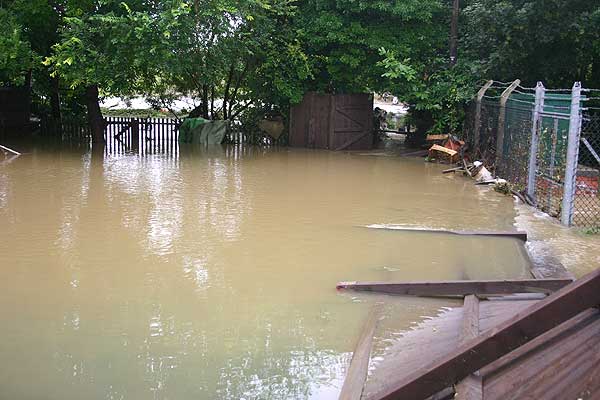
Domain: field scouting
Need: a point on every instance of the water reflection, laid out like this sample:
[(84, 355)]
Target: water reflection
[(210, 273)]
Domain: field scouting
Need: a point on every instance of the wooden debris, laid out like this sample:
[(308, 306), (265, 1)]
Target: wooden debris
[(470, 388), (430, 138), (357, 372), (522, 235), (447, 171), (459, 288), (9, 150), (498, 341)]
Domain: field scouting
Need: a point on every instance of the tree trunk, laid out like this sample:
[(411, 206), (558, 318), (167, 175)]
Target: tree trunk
[(212, 102), (55, 101), (454, 32), (205, 101), (95, 119)]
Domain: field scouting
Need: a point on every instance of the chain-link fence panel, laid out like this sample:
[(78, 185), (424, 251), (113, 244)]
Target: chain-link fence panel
[(586, 209), (513, 165)]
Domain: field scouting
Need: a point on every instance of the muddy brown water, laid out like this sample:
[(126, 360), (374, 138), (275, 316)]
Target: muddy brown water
[(210, 273)]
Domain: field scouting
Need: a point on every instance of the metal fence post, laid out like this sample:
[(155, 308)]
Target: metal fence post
[(501, 118), (533, 150), (566, 216), (477, 122)]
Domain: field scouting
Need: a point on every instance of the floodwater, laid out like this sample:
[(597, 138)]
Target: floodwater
[(211, 273)]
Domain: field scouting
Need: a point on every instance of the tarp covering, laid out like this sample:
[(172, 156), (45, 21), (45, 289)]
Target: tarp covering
[(202, 131)]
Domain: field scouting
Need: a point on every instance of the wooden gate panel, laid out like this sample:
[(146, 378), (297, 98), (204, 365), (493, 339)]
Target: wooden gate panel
[(335, 122), (299, 116), (353, 122)]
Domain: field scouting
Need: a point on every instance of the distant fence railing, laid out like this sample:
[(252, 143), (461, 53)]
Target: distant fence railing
[(545, 142), (144, 135)]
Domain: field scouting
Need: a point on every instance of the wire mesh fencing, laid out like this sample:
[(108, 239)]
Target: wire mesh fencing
[(545, 142), (586, 212)]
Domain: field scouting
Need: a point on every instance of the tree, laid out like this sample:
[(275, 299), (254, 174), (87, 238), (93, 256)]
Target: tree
[(555, 41), (16, 56)]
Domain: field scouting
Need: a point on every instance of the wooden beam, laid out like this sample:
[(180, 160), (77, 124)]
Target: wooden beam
[(545, 340), (498, 341), (357, 372), (459, 288), (521, 235), (470, 388)]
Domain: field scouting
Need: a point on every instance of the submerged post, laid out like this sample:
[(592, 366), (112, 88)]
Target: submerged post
[(566, 216), (477, 122), (501, 118), (535, 125)]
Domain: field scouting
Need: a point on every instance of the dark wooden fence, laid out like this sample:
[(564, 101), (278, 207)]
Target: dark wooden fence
[(143, 135)]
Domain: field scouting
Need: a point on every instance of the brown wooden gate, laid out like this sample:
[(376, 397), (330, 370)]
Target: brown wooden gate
[(335, 122)]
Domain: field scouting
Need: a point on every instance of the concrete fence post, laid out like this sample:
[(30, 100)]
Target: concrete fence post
[(568, 199), (477, 121), (535, 127), (501, 122)]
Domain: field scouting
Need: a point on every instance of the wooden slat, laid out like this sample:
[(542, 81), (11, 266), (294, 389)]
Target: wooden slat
[(521, 235), (470, 388), (357, 372), (459, 288), (564, 363), (496, 342)]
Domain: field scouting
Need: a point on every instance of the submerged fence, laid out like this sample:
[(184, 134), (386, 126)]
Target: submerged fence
[(546, 142), (144, 135)]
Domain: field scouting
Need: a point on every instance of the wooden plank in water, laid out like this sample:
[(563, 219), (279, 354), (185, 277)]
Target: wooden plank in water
[(357, 372), (521, 235), (470, 388), (499, 341), (459, 288)]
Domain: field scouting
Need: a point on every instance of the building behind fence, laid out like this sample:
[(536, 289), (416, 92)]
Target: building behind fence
[(545, 142)]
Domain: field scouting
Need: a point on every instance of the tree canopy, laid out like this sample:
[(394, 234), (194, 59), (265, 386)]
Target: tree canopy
[(260, 56)]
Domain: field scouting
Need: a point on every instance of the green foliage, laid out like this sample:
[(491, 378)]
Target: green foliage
[(554, 41), (16, 56)]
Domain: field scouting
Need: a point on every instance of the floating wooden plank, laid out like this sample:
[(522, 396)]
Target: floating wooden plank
[(470, 388), (447, 171), (521, 235), (498, 341), (10, 150), (357, 372), (459, 288)]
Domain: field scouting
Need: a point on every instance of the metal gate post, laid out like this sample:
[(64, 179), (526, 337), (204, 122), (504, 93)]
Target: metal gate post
[(477, 122), (535, 126), (501, 118), (566, 216)]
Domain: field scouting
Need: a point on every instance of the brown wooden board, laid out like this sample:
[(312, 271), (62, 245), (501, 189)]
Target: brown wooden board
[(521, 235), (498, 341), (470, 388), (357, 372), (459, 288)]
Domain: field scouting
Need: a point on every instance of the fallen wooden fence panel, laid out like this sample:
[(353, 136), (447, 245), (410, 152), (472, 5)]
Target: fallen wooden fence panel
[(459, 288), (498, 341)]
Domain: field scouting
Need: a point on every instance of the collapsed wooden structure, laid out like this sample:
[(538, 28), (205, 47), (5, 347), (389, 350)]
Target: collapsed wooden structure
[(508, 341)]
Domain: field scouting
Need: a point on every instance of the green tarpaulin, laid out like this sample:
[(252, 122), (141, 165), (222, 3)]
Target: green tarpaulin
[(202, 131)]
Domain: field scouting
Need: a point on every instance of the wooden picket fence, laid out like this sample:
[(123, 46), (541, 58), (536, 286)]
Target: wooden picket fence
[(142, 135)]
